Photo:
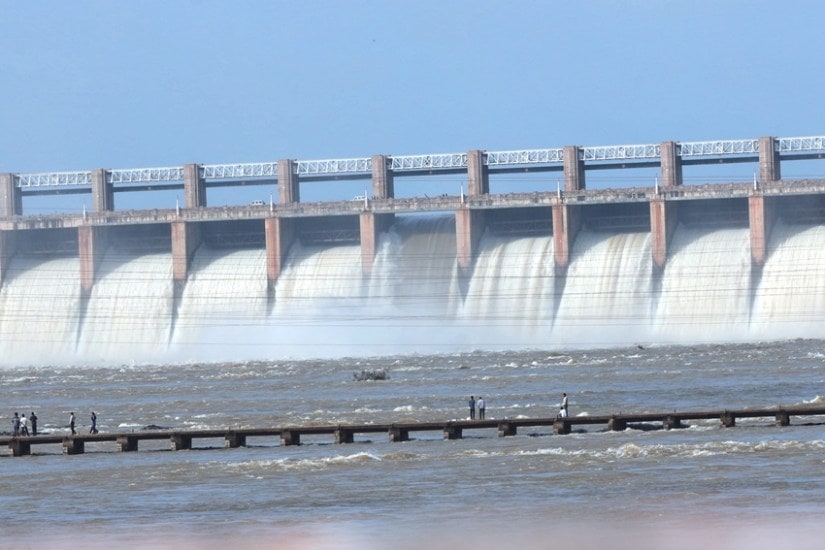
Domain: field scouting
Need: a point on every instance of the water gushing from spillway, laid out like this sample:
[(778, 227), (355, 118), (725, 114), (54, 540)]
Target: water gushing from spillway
[(415, 300)]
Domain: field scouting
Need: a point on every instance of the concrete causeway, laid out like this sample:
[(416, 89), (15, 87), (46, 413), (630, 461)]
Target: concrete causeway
[(397, 432)]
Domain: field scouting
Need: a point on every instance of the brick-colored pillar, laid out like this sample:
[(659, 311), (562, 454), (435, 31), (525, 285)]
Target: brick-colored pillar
[(469, 227), (663, 220), (92, 246), (11, 200), (193, 187), (372, 225), (383, 186), (279, 235), (186, 237), (761, 215), (671, 164), (478, 181), (566, 225), (769, 169), (288, 184), (573, 169)]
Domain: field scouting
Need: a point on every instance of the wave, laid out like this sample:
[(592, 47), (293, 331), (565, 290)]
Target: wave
[(255, 467)]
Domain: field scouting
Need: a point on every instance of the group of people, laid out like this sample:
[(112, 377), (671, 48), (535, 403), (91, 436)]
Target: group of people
[(482, 407), (20, 424), (92, 426)]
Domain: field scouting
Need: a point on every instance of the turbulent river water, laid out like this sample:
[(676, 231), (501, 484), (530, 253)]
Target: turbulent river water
[(709, 332), (755, 485)]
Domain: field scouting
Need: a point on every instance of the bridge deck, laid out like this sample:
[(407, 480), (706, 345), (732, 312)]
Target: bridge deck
[(453, 429), (449, 203)]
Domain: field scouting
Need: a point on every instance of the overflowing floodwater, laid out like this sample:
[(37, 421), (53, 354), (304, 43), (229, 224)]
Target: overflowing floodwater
[(614, 335), (756, 484), (414, 299)]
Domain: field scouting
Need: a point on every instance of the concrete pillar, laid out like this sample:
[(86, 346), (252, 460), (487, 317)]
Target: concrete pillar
[(783, 419), (193, 187), (19, 447), (127, 444), (369, 240), (566, 225), (478, 181), (507, 428), (186, 237), (180, 442), (561, 426), (769, 169), (343, 435), (671, 164), (372, 225), (103, 199), (92, 247), (761, 215), (11, 199), (671, 422), (452, 432), (288, 186), (617, 424), (8, 246), (233, 440), (279, 234), (573, 169), (399, 434), (728, 420), (73, 446), (469, 227), (289, 437), (663, 220), (383, 186)]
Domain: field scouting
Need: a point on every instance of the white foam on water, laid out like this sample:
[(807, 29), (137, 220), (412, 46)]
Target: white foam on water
[(415, 299)]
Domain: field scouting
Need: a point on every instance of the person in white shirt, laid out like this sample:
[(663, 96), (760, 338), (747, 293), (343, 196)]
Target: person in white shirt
[(563, 409)]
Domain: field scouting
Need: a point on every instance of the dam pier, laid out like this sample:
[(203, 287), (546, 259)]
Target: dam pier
[(560, 211)]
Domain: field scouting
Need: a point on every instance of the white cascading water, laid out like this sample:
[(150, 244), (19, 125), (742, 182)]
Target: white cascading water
[(607, 291), (706, 289), (791, 298), (39, 304), (325, 305), (416, 299), (225, 294), (127, 316), (509, 302)]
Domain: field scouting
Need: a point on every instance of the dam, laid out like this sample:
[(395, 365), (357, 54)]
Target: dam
[(564, 267)]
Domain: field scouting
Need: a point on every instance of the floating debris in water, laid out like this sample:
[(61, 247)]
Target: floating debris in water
[(370, 375)]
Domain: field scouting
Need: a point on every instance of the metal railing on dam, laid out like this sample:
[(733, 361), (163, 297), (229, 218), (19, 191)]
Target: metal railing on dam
[(287, 174), (548, 159)]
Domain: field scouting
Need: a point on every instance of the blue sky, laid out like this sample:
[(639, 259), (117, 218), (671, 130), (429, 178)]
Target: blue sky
[(93, 84)]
